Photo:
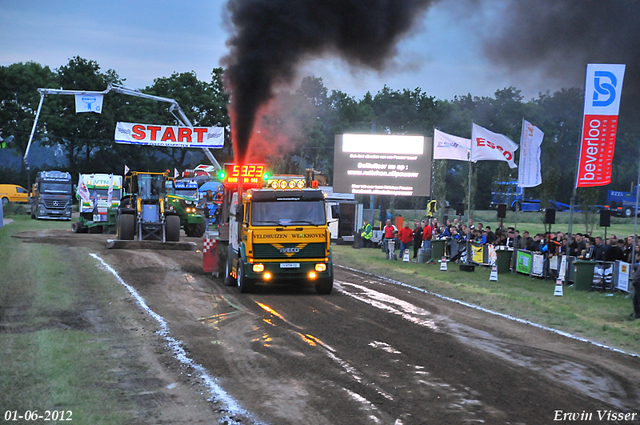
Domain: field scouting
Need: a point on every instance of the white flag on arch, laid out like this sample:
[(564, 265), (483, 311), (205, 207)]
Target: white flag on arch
[(489, 146), (89, 102)]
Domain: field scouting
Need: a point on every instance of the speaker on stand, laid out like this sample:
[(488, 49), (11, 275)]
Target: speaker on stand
[(502, 213), (605, 221), (549, 218)]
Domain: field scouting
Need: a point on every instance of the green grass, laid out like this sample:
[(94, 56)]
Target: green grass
[(601, 317), (48, 361)]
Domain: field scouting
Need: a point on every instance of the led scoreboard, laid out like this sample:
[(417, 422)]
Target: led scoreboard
[(247, 175)]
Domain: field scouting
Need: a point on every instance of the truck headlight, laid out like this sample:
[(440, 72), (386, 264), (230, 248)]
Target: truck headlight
[(321, 267), (258, 268)]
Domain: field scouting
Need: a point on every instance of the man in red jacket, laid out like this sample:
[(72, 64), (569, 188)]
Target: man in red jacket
[(426, 236), (406, 237)]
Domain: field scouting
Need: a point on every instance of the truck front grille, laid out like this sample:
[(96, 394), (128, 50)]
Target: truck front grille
[(275, 251), (55, 204)]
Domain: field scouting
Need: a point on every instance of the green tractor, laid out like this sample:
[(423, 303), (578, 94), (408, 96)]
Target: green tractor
[(182, 195), (144, 211)]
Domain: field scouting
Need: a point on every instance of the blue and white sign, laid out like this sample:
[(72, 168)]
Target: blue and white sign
[(602, 89), (89, 102)]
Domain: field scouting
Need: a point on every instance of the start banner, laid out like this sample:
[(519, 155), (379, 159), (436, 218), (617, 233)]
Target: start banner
[(169, 135), (603, 86)]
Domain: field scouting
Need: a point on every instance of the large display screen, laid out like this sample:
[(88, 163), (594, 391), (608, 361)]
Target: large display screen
[(380, 164)]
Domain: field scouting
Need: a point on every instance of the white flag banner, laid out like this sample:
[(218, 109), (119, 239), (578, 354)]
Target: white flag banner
[(175, 173), (110, 191), (489, 146), (89, 103), (446, 146), (126, 169), (83, 193), (529, 167)]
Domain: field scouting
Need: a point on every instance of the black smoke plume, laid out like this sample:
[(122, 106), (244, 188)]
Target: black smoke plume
[(558, 38), (270, 38)]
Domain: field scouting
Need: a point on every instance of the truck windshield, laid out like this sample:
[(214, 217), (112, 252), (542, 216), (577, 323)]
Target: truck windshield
[(55, 187), (188, 192), (150, 187), (103, 194), (285, 213)]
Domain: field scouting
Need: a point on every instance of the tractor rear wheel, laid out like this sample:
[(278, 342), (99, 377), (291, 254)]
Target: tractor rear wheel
[(172, 229), (195, 229), (126, 229)]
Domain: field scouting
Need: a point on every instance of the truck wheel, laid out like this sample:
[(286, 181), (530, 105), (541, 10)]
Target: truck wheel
[(76, 227), (324, 285), (245, 284), (228, 279), (628, 212), (126, 229), (172, 223), (5, 201)]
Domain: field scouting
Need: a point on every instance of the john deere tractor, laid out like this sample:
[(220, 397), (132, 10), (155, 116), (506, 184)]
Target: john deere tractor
[(144, 211)]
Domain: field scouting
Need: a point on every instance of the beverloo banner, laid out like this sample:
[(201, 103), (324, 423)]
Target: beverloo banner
[(603, 86), (169, 135)]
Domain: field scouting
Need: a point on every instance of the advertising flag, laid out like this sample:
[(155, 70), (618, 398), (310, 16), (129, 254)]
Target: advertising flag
[(529, 167), (175, 173), (489, 146), (446, 146), (603, 86), (83, 193), (110, 191), (126, 170), (169, 135), (88, 103)]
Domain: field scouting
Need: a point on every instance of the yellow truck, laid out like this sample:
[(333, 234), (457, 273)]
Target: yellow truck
[(276, 233)]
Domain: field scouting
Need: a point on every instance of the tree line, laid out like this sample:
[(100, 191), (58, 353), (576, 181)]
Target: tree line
[(308, 117)]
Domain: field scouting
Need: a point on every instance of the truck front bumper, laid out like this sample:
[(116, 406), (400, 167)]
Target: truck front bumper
[(291, 270)]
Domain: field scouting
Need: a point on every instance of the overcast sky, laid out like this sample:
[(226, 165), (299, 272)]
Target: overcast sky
[(142, 40)]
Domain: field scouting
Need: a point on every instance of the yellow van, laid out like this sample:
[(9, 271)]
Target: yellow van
[(13, 193)]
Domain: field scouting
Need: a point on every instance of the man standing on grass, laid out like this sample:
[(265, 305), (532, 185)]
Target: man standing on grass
[(406, 237), (417, 238)]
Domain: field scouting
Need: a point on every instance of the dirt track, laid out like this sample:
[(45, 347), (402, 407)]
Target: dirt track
[(372, 352)]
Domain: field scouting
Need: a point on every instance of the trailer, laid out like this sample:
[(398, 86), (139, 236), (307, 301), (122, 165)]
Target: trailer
[(98, 198)]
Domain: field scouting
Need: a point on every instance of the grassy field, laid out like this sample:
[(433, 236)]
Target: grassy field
[(52, 358), (602, 317)]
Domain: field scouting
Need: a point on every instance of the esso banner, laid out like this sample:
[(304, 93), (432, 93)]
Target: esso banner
[(603, 87), (489, 146), (169, 135)]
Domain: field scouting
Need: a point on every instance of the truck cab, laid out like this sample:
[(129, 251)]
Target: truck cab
[(52, 196)]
